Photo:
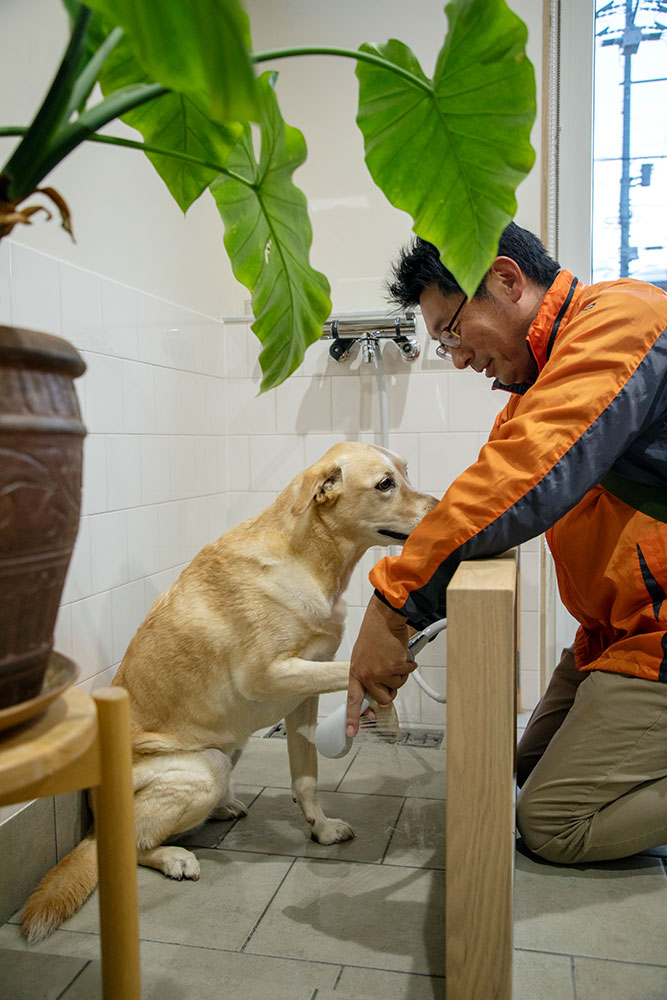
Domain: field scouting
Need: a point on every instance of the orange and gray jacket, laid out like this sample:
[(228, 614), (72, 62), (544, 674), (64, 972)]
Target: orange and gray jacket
[(580, 453)]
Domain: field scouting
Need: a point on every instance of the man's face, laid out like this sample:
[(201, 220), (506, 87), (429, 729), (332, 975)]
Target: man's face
[(493, 332)]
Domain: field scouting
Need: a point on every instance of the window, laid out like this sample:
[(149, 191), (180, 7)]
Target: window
[(630, 141)]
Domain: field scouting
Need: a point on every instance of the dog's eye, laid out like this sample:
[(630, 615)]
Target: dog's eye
[(385, 484)]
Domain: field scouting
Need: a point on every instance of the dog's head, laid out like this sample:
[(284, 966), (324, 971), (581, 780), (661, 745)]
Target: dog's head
[(363, 493)]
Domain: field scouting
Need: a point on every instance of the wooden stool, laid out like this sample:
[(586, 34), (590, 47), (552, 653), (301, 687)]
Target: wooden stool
[(83, 742)]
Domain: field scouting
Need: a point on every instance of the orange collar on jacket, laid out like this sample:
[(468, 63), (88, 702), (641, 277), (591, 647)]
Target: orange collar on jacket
[(556, 302)]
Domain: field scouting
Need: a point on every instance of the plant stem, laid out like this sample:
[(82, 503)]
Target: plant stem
[(157, 151), (113, 140), (21, 167), (88, 76), (357, 54), (69, 137)]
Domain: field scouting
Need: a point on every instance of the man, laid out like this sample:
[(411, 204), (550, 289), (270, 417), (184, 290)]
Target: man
[(580, 451)]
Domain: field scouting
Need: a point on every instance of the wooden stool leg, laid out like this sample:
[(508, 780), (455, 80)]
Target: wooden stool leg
[(116, 849)]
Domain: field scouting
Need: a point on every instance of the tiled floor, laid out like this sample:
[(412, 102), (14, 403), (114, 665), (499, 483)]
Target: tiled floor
[(275, 915)]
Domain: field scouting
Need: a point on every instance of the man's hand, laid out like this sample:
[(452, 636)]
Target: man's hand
[(379, 662)]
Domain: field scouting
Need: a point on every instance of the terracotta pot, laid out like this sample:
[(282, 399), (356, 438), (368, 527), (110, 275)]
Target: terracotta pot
[(41, 445)]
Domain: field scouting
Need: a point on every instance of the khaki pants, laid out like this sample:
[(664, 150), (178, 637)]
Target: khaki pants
[(592, 767)]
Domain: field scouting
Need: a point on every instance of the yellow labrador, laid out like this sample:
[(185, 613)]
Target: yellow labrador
[(244, 638)]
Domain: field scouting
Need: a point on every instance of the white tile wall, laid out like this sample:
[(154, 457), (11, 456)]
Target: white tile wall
[(181, 445), (438, 420), (155, 457)]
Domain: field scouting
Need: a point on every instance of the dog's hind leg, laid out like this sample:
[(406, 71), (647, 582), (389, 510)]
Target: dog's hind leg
[(300, 725), (175, 792)]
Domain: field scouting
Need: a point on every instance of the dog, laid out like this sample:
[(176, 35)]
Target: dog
[(245, 637)]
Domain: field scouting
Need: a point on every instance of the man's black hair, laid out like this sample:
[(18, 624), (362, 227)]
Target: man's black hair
[(419, 266)]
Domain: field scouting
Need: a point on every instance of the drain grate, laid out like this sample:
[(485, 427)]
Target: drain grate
[(278, 732), (426, 738)]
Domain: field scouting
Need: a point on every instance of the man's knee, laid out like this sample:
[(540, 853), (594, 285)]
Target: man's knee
[(547, 833)]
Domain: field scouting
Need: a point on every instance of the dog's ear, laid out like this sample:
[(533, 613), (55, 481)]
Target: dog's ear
[(320, 484)]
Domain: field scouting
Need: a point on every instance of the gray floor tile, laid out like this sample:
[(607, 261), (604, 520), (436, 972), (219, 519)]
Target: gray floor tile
[(539, 976), (66, 943), (610, 910), (397, 770), (218, 911), (177, 972), (275, 825), (618, 981), (377, 983), (419, 837), (264, 762), (369, 915), (31, 976)]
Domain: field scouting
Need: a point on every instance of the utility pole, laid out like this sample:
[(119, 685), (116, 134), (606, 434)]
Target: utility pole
[(628, 43)]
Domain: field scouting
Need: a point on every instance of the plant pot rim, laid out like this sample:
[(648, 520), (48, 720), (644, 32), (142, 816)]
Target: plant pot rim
[(21, 348)]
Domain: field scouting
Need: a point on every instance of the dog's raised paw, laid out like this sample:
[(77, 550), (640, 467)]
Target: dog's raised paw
[(332, 831)]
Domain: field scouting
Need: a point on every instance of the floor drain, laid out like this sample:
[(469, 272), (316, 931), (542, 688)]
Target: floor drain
[(426, 738)]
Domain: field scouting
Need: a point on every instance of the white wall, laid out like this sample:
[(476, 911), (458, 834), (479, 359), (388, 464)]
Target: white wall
[(438, 418), (126, 224), (179, 445), (355, 230)]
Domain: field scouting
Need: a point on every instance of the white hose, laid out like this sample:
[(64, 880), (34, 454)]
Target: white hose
[(393, 549)]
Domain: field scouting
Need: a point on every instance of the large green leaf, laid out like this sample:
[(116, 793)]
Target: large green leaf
[(175, 122), (452, 151), (194, 47), (268, 237)]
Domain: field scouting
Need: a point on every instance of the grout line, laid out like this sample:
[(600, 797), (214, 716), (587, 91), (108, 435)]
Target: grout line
[(594, 958), (328, 860), (347, 770), (71, 983), (393, 831), (314, 993), (574, 978), (339, 976), (262, 914)]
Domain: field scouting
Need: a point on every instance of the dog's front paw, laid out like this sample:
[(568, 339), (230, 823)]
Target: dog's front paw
[(234, 809), (332, 831)]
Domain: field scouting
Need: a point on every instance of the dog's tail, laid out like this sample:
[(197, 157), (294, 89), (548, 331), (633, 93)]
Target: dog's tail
[(61, 893)]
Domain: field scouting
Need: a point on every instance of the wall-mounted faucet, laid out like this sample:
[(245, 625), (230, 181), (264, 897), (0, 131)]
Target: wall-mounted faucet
[(346, 331)]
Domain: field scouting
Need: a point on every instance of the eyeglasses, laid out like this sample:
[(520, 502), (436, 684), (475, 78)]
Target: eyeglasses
[(447, 338)]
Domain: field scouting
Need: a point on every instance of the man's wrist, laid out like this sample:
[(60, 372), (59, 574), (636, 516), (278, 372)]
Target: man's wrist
[(393, 618)]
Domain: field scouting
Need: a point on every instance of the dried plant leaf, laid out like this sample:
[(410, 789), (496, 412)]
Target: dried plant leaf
[(63, 208), (11, 214)]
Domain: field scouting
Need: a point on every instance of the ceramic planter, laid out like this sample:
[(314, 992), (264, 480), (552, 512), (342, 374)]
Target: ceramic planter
[(41, 445)]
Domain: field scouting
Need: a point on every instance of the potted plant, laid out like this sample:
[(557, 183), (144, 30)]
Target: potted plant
[(449, 150)]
